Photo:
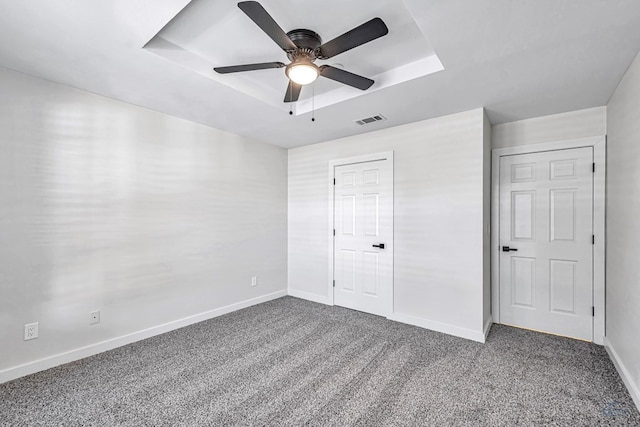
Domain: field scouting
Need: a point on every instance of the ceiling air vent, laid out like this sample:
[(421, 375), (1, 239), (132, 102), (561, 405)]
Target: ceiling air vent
[(371, 119)]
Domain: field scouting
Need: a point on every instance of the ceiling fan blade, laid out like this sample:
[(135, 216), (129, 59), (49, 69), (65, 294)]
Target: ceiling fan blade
[(261, 17), (293, 92), (360, 35), (248, 67), (345, 77)]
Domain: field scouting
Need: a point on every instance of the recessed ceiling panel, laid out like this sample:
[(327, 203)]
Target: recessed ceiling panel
[(208, 34)]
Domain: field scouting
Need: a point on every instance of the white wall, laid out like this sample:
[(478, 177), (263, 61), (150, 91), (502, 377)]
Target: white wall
[(623, 227), (557, 127), (111, 207), (438, 226), (486, 214)]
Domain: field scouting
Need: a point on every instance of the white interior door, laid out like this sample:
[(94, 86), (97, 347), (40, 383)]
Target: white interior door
[(546, 249), (363, 224)]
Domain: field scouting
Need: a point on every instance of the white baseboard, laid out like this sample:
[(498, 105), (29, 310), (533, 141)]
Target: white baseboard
[(439, 327), (634, 389), (90, 350), (410, 320), (309, 297), (487, 327), (598, 339)]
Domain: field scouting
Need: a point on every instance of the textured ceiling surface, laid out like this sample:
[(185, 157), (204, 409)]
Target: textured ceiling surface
[(517, 59)]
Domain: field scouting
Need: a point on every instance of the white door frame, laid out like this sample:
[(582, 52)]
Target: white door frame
[(599, 157), (387, 155)]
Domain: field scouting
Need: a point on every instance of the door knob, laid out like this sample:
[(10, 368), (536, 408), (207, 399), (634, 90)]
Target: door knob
[(381, 246), (508, 249)]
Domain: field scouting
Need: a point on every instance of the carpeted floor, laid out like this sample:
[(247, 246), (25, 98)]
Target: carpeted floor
[(293, 362)]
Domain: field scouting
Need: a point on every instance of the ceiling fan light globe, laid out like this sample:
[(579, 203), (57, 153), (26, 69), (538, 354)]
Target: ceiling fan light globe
[(302, 73)]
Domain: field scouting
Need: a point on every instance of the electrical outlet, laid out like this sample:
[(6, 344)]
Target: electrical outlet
[(30, 331), (254, 281), (94, 317)]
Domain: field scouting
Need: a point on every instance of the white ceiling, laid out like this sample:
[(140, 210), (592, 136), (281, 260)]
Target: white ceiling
[(518, 59), (219, 33)]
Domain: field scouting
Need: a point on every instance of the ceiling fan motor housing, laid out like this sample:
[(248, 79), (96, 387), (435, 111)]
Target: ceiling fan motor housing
[(307, 41), (303, 47)]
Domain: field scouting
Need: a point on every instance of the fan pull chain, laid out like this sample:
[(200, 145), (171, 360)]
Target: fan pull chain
[(290, 101), (313, 103)]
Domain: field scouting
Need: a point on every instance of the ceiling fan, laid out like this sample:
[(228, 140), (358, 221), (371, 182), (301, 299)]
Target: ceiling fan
[(304, 46)]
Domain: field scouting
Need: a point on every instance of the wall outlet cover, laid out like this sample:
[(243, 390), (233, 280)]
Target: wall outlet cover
[(30, 331)]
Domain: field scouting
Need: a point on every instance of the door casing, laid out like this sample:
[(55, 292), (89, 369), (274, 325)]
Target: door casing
[(599, 157), (387, 155)]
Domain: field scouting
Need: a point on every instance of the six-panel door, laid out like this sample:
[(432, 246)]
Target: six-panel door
[(546, 206), (363, 221)]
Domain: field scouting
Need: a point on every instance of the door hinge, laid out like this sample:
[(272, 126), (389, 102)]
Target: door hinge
[(593, 311), (593, 167), (334, 231), (334, 283), (334, 181), (593, 239)]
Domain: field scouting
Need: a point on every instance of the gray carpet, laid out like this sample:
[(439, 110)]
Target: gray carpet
[(293, 362)]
